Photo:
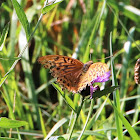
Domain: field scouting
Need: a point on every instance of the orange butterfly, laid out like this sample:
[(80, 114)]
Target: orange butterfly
[(74, 75), (137, 72)]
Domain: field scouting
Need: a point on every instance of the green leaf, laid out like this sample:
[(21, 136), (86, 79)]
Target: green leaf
[(50, 6), (8, 123), (60, 138), (22, 18), (3, 36), (101, 93)]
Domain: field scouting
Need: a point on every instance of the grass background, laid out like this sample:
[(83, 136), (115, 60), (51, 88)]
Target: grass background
[(75, 29)]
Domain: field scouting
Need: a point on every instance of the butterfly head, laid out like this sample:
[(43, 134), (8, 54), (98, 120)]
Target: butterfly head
[(86, 66)]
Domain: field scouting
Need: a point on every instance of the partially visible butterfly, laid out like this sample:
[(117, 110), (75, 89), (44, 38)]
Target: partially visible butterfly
[(72, 74), (137, 72)]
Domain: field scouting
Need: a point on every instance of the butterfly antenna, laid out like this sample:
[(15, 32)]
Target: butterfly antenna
[(90, 56), (90, 52), (106, 57)]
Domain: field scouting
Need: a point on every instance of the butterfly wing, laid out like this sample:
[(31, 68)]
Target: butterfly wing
[(67, 70), (94, 71)]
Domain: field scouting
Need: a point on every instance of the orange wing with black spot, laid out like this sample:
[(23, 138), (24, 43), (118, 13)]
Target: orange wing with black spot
[(67, 70)]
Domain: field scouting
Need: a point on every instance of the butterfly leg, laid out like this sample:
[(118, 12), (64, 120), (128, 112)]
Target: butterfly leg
[(93, 89)]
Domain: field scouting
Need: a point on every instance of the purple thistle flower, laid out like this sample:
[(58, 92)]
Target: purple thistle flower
[(100, 79)]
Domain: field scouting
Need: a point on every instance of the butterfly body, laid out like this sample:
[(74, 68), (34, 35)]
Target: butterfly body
[(71, 73)]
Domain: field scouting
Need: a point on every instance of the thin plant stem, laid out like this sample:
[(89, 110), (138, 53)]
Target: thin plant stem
[(14, 103), (76, 115), (89, 114)]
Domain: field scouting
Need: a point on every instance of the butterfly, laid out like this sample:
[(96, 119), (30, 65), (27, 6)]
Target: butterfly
[(74, 75), (137, 72)]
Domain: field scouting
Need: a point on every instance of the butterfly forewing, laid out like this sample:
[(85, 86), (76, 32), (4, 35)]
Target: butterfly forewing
[(67, 70)]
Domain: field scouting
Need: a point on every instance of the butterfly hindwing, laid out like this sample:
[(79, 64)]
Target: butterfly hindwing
[(95, 70)]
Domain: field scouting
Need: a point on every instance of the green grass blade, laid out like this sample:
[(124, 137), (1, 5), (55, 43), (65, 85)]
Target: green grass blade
[(50, 6), (13, 38), (130, 129), (74, 120), (22, 18), (94, 118), (55, 127), (8, 103), (56, 138), (94, 31), (42, 124), (6, 138), (136, 114), (89, 114), (116, 96), (85, 38), (2, 80), (126, 58), (65, 97), (128, 10), (28, 76), (8, 123), (3, 36)]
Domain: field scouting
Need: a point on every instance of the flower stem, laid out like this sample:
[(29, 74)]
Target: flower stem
[(76, 115), (89, 114)]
